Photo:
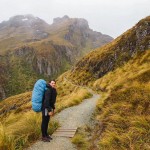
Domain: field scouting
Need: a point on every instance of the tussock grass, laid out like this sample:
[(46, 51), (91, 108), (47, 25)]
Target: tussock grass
[(81, 139), (20, 130), (125, 106), (15, 102), (72, 99), (136, 69), (20, 126), (69, 94)]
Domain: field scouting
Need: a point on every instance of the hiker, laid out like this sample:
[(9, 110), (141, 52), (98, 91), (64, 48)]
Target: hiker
[(48, 108)]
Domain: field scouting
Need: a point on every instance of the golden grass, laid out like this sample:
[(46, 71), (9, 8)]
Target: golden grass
[(125, 106), (80, 142), (69, 94), (20, 126), (14, 102), (136, 69), (20, 130), (81, 139)]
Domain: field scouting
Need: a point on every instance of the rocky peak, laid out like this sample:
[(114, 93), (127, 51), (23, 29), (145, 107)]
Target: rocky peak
[(34, 27), (59, 19), (78, 22), (23, 21)]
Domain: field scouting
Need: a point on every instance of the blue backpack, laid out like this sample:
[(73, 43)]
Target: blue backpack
[(37, 94)]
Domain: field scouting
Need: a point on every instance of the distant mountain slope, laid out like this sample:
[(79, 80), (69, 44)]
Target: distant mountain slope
[(26, 29), (27, 24), (21, 29), (77, 32), (31, 49)]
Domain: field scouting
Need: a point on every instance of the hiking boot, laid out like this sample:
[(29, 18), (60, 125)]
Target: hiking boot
[(49, 137), (45, 139)]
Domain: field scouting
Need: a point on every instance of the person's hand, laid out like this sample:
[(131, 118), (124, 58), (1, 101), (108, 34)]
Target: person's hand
[(50, 113)]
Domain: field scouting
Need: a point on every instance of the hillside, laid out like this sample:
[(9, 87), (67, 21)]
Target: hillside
[(31, 49), (120, 72), (115, 54), (124, 107)]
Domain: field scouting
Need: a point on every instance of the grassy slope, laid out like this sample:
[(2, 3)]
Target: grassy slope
[(17, 127), (122, 113), (125, 106)]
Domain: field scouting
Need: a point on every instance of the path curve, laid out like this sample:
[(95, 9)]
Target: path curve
[(75, 116)]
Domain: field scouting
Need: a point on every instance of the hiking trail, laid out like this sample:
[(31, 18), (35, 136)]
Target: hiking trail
[(75, 116)]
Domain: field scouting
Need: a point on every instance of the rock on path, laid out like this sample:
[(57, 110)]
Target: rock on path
[(75, 116)]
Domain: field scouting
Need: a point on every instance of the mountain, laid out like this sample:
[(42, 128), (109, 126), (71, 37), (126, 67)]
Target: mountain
[(21, 29), (31, 49), (78, 32)]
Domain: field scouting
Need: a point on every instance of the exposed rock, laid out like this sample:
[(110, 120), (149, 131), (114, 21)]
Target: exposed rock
[(80, 34), (58, 19), (23, 51)]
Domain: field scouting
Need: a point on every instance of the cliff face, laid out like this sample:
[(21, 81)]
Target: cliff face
[(23, 66), (31, 48), (54, 62), (105, 59)]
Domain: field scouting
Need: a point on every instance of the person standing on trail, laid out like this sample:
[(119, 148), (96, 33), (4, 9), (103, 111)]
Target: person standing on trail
[(48, 107)]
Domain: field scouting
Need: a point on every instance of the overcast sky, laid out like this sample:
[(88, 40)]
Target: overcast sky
[(112, 17)]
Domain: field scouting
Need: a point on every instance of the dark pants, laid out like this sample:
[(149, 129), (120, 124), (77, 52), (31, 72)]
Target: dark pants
[(44, 124)]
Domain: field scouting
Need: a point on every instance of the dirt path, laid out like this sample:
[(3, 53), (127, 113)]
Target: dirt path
[(75, 116)]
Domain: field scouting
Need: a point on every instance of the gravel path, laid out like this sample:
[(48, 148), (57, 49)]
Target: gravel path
[(75, 116)]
